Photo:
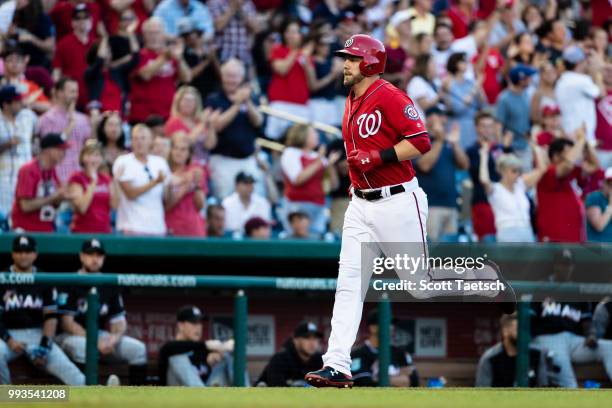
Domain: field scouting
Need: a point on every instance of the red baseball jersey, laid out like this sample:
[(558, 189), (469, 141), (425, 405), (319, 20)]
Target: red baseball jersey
[(377, 120)]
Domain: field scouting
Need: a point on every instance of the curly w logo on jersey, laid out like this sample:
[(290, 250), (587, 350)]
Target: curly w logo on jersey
[(369, 124)]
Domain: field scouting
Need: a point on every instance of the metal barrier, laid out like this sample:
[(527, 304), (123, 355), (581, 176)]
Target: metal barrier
[(241, 283)]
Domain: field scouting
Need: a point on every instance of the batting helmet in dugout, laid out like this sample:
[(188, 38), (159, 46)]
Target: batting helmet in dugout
[(371, 51)]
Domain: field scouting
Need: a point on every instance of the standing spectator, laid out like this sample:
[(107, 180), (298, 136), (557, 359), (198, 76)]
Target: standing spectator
[(288, 91), (421, 87), (111, 136), (422, 21), (61, 15), (38, 190), (508, 196), (300, 354), (237, 129), (462, 14), (143, 188), (215, 218), (114, 13), (545, 93), (70, 58), (323, 75), (399, 47), (235, 23), (200, 55), (577, 89), (114, 345), (92, 192), (497, 365), (560, 215), (482, 214), (436, 171), (34, 31), (551, 126), (599, 211), (603, 132), (485, 60), (303, 170), (442, 49), (15, 63), (506, 28), (169, 12), (187, 116), (553, 36), (124, 45), (188, 185), (159, 67), (106, 85), (161, 146), (513, 111), (463, 98), (257, 228), (244, 204), (16, 130), (63, 118)]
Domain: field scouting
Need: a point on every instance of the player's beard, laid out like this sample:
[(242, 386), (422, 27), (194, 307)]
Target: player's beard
[(352, 79)]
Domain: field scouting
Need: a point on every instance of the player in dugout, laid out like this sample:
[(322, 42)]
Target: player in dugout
[(299, 355), (28, 320), (114, 345)]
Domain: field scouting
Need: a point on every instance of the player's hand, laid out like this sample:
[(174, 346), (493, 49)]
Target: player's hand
[(214, 358), (591, 341), (362, 161), (16, 346)]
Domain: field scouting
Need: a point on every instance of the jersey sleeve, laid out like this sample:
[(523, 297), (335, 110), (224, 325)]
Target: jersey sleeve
[(403, 117)]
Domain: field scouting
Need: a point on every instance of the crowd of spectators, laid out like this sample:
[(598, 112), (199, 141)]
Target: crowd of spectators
[(142, 117)]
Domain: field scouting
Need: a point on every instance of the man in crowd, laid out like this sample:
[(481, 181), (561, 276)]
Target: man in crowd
[(564, 328), (143, 186), (482, 215), (28, 321), (191, 362), (17, 125), (497, 365), (443, 40), (39, 192), (64, 119), (170, 12), (70, 58), (364, 366), (215, 219), (436, 171), (159, 68), (577, 90), (237, 129), (235, 22), (244, 204), (300, 354), (113, 344)]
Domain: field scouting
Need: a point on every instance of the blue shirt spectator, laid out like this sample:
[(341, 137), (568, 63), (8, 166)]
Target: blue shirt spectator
[(172, 11), (598, 206)]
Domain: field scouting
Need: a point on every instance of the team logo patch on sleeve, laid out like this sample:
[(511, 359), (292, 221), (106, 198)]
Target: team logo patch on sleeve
[(410, 112)]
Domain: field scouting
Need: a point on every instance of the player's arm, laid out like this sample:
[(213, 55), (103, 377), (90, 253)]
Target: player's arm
[(70, 326)]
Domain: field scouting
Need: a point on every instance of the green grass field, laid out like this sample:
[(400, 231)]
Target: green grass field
[(167, 397)]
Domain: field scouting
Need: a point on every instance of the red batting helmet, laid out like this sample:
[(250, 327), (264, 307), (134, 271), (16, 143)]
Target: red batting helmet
[(370, 50)]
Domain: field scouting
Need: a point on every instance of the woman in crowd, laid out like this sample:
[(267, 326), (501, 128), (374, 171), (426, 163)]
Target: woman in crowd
[(33, 28), (508, 196), (545, 93), (112, 139), (421, 87), (304, 170), (188, 190), (92, 192), (463, 97), (598, 206), (288, 90), (187, 116)]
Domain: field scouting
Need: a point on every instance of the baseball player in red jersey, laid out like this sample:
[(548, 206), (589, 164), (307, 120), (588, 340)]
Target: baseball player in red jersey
[(382, 132)]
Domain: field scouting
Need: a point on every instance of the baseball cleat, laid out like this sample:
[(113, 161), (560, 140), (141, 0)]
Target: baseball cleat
[(329, 377)]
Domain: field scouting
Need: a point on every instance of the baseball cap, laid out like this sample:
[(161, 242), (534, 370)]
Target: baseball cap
[(54, 140), (24, 243), (254, 223), (608, 174), (399, 17), (9, 93), (93, 246), (307, 329), (550, 110), (80, 10), (189, 313), (520, 72), (574, 54), (243, 177)]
